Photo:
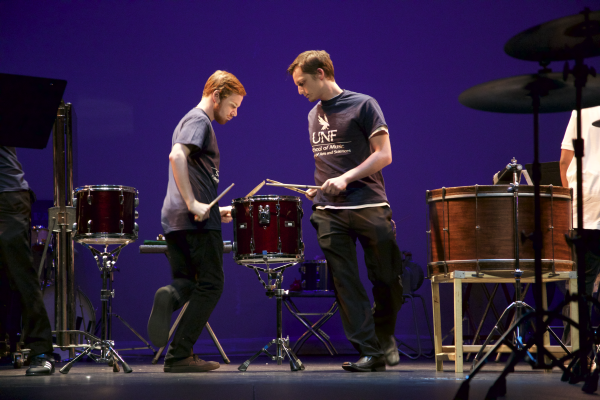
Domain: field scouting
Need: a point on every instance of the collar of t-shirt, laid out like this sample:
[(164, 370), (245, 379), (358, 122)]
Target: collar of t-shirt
[(333, 99)]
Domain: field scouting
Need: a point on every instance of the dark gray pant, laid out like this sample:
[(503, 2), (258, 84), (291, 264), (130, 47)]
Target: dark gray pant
[(337, 231), (196, 259), (16, 262)]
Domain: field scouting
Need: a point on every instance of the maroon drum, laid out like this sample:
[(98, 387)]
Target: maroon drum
[(471, 228), (267, 223), (105, 214)]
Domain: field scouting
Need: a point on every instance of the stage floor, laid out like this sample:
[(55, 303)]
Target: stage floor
[(265, 380)]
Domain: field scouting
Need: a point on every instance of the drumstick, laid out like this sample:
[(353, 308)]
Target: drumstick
[(256, 189), (294, 189), (212, 203), (289, 185)]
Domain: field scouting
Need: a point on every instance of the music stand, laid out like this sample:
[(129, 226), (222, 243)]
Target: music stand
[(28, 107)]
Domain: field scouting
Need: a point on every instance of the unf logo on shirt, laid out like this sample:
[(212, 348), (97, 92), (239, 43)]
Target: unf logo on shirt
[(325, 135), (215, 175)]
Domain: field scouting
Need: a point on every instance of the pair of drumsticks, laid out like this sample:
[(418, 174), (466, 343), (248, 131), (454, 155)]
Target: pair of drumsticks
[(295, 188)]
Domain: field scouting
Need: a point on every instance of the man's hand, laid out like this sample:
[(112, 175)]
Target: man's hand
[(201, 211), (226, 214), (334, 186), (310, 194)]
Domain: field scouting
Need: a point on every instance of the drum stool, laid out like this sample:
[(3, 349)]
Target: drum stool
[(313, 329)]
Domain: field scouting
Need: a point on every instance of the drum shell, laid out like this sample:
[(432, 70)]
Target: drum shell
[(281, 238), (480, 227), (106, 206), (316, 275)]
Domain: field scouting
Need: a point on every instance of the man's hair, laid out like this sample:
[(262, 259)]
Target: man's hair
[(310, 61), (225, 82)]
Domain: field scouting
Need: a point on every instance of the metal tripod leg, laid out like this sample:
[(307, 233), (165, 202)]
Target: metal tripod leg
[(245, 365), (489, 337)]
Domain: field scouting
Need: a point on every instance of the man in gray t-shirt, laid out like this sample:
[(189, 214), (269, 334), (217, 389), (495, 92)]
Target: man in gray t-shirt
[(192, 229), (351, 145)]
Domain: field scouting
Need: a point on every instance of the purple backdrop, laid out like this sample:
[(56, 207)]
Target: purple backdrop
[(135, 68)]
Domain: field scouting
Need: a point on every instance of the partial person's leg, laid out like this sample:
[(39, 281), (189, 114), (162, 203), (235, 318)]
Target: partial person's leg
[(172, 297), (339, 248), (384, 265), (206, 252), (16, 258)]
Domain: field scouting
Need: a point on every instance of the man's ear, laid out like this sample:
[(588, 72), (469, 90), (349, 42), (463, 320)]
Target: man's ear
[(216, 97), (320, 73)]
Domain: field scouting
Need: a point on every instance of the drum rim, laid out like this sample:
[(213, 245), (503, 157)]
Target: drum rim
[(257, 258), (266, 197), (499, 260), (85, 237), (115, 188), (484, 191), (437, 198)]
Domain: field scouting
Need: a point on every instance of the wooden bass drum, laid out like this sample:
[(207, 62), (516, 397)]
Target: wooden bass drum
[(471, 228)]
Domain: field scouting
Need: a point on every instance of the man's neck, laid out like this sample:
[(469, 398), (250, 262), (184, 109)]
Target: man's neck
[(207, 106), (330, 90)]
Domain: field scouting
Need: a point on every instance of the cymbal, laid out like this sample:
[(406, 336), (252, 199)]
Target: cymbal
[(513, 95), (565, 38), (596, 123)]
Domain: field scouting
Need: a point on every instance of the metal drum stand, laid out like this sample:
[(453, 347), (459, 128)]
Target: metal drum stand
[(106, 264), (518, 305), (273, 287)]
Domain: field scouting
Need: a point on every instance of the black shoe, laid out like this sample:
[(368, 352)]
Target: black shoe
[(390, 350), (366, 364), (41, 365), (160, 316)]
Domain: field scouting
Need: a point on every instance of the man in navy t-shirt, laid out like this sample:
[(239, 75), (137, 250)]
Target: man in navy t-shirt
[(192, 229), (351, 145)]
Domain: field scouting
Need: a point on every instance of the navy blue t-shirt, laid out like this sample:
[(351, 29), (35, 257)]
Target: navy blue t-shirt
[(195, 131), (339, 130)]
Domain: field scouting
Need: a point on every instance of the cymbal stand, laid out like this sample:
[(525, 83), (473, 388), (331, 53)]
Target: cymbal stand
[(108, 355), (273, 287), (537, 90), (580, 71)]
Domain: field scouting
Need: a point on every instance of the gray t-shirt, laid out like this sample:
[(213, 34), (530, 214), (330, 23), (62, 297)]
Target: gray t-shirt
[(11, 171), (340, 129), (195, 131)]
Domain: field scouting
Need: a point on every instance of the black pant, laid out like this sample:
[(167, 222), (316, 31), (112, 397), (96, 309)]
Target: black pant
[(196, 259), (337, 231), (16, 262)]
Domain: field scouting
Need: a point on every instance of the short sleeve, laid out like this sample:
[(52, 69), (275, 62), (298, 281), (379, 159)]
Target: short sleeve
[(570, 133), (372, 117), (193, 133)]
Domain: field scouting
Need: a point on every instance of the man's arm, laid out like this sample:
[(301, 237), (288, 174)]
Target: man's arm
[(566, 156), (178, 159), (380, 158)]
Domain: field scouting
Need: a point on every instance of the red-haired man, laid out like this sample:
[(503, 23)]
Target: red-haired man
[(192, 229), (351, 145)]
